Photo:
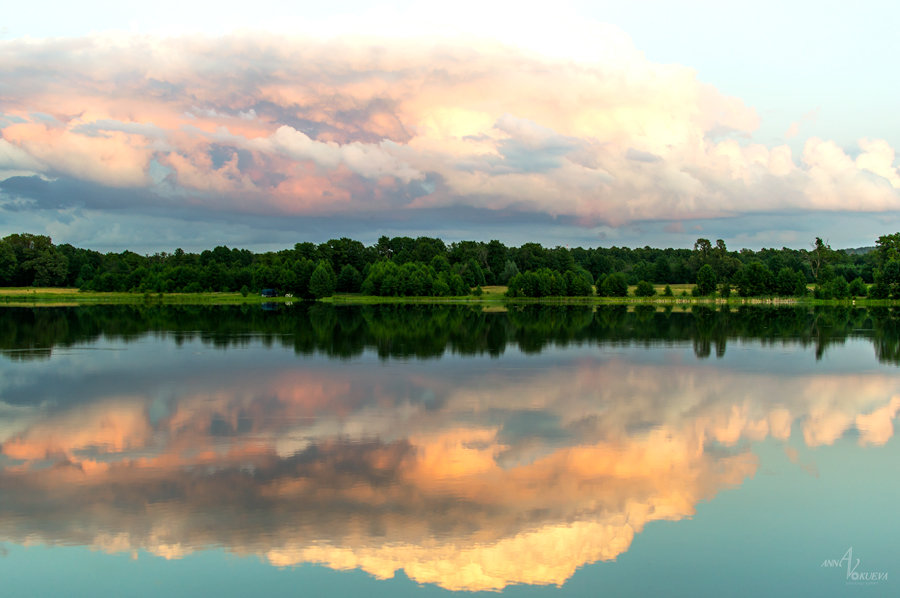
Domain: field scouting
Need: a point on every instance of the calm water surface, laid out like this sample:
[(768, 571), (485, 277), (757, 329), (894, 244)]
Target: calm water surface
[(311, 450)]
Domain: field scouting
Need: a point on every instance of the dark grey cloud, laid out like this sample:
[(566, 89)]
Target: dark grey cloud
[(520, 157), (84, 213), (67, 192)]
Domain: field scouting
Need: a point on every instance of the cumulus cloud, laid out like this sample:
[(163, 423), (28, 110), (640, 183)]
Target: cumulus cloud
[(14, 161), (371, 161), (349, 123)]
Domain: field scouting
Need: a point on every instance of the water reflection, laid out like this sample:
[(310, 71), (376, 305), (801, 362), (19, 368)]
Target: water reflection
[(431, 331), (467, 473)]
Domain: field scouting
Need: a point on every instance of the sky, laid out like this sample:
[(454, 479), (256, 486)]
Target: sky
[(576, 123)]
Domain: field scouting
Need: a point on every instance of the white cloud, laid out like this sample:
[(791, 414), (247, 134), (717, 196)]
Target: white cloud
[(14, 161), (605, 137)]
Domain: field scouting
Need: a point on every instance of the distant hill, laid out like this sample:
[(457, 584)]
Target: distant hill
[(859, 250)]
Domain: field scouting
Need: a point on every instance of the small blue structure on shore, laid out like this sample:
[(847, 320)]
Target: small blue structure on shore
[(268, 293)]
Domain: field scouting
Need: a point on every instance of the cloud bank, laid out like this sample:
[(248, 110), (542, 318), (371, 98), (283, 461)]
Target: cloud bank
[(266, 126)]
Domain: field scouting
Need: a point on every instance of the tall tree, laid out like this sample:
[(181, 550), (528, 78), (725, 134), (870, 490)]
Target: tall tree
[(888, 248), (819, 257)]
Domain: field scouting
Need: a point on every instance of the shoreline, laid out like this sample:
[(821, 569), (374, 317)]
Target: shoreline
[(62, 297)]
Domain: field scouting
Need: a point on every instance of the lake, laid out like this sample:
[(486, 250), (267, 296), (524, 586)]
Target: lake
[(309, 449)]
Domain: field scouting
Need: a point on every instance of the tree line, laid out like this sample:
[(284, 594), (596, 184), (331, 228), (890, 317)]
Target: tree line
[(427, 266)]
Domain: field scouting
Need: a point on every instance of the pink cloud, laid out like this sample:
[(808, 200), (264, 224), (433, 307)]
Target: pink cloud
[(330, 126)]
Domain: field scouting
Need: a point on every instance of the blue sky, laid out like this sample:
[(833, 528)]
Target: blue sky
[(601, 123)]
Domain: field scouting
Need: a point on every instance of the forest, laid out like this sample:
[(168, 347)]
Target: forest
[(427, 266)]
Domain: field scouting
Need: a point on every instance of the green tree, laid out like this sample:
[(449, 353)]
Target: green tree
[(662, 271), (838, 287), (614, 285), (786, 282), (577, 284), (645, 289), (349, 280), (722, 262), (509, 270), (322, 281), (703, 247), (342, 252), (50, 268), (819, 257), (858, 287), (541, 283), (887, 281), (380, 280), (706, 280), (531, 256), (888, 248), (303, 270), (305, 251), (800, 289), (440, 264), (34, 257), (496, 261), (701, 255), (472, 273), (7, 263), (754, 279)]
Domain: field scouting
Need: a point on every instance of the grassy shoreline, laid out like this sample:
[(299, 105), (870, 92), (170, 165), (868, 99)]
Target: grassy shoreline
[(12, 297), (491, 297)]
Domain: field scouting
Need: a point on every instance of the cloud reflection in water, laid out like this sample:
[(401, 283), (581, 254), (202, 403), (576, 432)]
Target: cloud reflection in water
[(474, 482)]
